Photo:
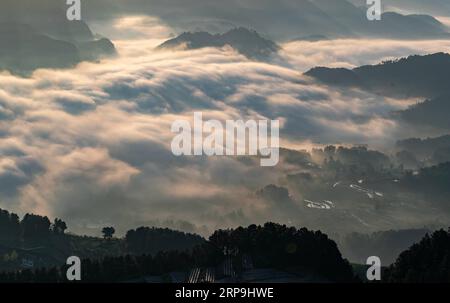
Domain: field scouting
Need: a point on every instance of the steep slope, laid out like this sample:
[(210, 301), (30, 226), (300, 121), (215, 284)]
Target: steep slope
[(37, 34), (433, 112), (414, 76), (23, 49), (427, 261)]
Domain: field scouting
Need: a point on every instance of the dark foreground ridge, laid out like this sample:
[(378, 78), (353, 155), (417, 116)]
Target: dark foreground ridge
[(265, 254)]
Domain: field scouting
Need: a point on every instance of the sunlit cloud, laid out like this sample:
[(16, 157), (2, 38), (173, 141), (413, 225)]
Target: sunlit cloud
[(92, 143)]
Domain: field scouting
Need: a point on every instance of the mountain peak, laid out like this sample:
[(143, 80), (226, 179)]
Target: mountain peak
[(247, 42)]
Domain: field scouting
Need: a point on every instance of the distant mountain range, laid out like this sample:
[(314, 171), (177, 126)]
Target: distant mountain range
[(281, 20), (247, 42), (415, 76), (23, 49), (37, 34), (392, 25)]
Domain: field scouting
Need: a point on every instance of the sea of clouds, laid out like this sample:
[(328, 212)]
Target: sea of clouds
[(91, 144)]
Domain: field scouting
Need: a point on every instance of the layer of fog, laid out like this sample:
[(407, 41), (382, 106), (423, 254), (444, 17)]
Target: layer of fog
[(92, 144)]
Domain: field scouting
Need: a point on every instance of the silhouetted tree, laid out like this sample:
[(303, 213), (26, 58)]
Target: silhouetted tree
[(59, 226), (108, 232)]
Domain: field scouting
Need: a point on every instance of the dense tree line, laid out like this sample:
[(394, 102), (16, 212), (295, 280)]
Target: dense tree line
[(123, 268), (274, 245), (354, 162), (427, 261), (10, 229), (36, 241), (424, 148), (146, 240), (356, 155), (29, 229), (271, 245)]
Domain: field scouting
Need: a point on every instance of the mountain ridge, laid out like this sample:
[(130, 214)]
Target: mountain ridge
[(247, 42), (414, 76)]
